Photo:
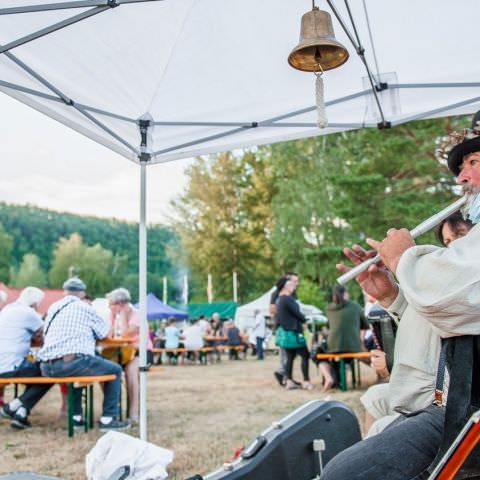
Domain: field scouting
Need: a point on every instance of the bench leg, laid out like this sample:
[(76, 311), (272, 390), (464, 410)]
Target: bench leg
[(70, 410), (354, 375), (343, 376), (89, 419)]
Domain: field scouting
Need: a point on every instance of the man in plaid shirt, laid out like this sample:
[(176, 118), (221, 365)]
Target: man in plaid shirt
[(71, 330)]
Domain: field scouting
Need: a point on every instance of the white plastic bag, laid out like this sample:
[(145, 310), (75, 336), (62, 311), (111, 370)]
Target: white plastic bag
[(115, 449)]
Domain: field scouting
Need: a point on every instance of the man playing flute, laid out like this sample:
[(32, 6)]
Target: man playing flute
[(439, 289)]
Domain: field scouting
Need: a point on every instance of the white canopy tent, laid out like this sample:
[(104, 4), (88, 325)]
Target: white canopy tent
[(159, 80), (245, 314)]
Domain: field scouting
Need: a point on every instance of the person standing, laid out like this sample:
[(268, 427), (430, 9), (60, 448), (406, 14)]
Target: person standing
[(290, 319), (20, 324), (71, 329), (259, 333), (272, 308)]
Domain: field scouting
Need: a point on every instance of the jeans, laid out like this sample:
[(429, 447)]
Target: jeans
[(260, 348), (32, 393), (84, 366), (283, 362), (401, 452)]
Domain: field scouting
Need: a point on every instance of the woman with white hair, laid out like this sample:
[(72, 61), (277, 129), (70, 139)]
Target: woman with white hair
[(125, 321)]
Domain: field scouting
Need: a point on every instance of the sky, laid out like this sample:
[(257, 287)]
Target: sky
[(48, 165)]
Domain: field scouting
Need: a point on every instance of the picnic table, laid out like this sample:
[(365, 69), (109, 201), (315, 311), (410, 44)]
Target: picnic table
[(355, 366)]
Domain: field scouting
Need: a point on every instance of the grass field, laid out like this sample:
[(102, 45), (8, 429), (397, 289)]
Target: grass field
[(202, 413)]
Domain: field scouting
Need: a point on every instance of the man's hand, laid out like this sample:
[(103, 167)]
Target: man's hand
[(393, 246), (377, 281), (379, 363)]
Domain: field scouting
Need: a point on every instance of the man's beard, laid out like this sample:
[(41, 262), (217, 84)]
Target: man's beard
[(471, 193)]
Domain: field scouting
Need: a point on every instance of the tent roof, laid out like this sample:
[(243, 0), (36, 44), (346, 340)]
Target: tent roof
[(224, 309), (212, 75), (156, 309)]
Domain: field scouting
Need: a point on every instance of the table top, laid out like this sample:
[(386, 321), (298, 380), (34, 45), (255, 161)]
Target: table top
[(116, 342), (325, 356)]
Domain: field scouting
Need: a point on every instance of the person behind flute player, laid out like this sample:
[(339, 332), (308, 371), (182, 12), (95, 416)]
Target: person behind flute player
[(378, 402), (439, 288)]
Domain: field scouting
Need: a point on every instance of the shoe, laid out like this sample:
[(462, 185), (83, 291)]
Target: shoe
[(7, 412), (307, 386), (79, 424), (290, 385), (20, 423), (280, 378), (113, 425)]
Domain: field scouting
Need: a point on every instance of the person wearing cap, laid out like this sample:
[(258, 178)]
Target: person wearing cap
[(439, 289), (71, 329), (20, 324)]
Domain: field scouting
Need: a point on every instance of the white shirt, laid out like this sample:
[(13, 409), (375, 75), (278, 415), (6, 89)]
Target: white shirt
[(259, 328), (193, 337), (18, 323)]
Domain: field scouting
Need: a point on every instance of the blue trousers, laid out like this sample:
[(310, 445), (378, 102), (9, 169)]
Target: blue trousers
[(84, 366), (401, 452), (259, 347), (32, 393)]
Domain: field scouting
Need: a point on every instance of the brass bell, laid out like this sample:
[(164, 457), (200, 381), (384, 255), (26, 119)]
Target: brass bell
[(318, 49)]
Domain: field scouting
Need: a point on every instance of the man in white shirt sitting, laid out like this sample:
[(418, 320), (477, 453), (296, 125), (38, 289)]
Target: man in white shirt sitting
[(19, 325)]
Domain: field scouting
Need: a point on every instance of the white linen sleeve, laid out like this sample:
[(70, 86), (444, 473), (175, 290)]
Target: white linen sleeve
[(443, 284), (398, 306)]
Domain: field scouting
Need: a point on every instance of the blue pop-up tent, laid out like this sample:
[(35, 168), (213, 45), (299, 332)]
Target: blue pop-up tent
[(157, 310)]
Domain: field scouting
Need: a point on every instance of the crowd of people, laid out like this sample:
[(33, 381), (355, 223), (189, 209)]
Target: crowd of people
[(66, 341), (201, 332)]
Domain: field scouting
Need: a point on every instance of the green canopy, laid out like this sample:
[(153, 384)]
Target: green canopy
[(224, 309)]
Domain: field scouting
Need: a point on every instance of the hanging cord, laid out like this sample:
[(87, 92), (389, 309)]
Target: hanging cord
[(374, 53), (322, 121)]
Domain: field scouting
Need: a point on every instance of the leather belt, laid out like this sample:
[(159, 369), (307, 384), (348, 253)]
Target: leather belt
[(66, 358)]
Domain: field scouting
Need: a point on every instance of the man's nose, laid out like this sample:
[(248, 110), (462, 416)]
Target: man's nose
[(463, 177)]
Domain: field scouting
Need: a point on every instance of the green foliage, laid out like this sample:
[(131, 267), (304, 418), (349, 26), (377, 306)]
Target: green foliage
[(37, 231), (6, 246), (223, 220), (339, 189), (98, 267), (30, 273)]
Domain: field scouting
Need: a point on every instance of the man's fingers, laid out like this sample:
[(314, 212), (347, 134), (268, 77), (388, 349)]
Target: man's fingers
[(374, 243), (341, 267)]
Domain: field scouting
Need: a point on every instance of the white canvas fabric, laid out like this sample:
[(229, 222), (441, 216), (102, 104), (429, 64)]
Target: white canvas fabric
[(224, 65)]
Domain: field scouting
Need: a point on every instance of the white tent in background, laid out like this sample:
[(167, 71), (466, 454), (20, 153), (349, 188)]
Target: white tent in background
[(159, 80), (245, 315)]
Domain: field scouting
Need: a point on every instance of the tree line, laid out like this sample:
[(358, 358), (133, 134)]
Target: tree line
[(258, 212), (39, 246)]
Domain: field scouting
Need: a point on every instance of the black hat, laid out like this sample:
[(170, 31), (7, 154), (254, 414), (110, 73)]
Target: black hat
[(462, 144)]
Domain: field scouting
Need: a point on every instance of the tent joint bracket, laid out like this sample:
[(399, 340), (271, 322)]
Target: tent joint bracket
[(384, 125), (113, 3), (380, 86)]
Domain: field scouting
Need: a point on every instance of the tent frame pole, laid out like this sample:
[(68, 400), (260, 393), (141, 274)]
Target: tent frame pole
[(142, 293), (144, 157)]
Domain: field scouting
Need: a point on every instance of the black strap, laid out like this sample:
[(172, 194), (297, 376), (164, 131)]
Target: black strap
[(55, 314), (441, 373), (462, 357)]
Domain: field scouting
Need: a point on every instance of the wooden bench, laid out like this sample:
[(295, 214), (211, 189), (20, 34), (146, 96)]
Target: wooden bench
[(341, 357), (203, 350), (72, 382)]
